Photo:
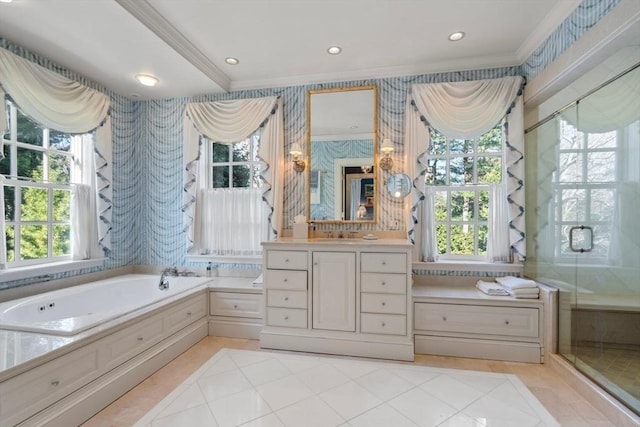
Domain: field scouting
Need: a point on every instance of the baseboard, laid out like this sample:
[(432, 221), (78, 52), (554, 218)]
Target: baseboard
[(479, 349), (235, 329)]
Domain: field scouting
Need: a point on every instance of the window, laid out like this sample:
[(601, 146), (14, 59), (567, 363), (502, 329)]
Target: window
[(460, 173), (235, 165), (233, 217), (37, 191), (585, 183)]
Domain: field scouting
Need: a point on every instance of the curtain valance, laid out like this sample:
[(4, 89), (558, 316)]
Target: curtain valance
[(230, 121), (466, 110), (50, 99)]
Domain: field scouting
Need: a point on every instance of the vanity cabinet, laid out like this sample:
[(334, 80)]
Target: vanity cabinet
[(339, 296), (334, 290)]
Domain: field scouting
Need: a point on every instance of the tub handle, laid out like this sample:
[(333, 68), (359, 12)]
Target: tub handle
[(55, 383)]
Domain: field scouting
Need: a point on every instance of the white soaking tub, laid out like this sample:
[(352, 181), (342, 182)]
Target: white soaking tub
[(72, 310)]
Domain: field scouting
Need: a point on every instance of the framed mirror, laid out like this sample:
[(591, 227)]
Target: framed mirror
[(342, 175)]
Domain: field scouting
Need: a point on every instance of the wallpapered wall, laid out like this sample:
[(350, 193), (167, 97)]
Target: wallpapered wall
[(147, 145)]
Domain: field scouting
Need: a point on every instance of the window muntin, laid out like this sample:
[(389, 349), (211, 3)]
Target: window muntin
[(585, 183), (234, 165), (37, 191), (461, 172)]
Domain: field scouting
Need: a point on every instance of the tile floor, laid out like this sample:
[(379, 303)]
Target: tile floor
[(561, 401), (256, 388)]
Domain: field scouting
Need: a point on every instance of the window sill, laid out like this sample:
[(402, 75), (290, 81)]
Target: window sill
[(47, 270), (449, 265), (220, 259)]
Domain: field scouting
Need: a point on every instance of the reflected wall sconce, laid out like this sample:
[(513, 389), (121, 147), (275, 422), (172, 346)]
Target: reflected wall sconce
[(296, 154), (386, 162)]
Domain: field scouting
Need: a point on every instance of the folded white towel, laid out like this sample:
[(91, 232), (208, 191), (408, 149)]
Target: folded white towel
[(258, 280), (524, 291), (529, 296), (491, 288), (511, 282)]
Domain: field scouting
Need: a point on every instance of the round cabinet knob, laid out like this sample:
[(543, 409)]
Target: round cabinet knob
[(384, 262), (235, 305), (286, 298), (140, 339), (444, 318), (286, 317), (384, 303), (506, 322), (188, 313), (285, 280), (384, 324), (383, 283), (55, 383), (286, 260)]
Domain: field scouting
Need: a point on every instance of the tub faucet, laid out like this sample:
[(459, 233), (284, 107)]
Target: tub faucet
[(164, 282)]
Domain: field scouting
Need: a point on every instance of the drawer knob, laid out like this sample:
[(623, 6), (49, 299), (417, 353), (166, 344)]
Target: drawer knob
[(140, 338), (384, 262), (285, 279), (286, 317), (286, 298), (55, 383), (383, 283), (384, 303), (506, 322), (235, 305), (383, 324), (444, 318), (286, 260), (188, 313)]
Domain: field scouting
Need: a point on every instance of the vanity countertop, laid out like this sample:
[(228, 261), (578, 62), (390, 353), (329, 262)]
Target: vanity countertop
[(380, 242)]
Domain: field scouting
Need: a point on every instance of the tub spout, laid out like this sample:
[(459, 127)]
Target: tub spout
[(164, 282)]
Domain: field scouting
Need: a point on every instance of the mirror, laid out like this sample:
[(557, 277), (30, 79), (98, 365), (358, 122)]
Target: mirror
[(399, 186), (342, 146)]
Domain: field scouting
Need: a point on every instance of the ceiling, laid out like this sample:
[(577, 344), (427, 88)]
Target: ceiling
[(278, 42)]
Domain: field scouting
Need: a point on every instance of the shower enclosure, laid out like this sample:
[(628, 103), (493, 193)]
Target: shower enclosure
[(583, 225)]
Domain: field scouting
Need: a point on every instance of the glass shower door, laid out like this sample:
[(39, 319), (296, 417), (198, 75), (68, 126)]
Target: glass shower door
[(583, 177)]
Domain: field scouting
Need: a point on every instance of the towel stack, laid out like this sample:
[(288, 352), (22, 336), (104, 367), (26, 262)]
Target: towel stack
[(519, 287), (491, 288)]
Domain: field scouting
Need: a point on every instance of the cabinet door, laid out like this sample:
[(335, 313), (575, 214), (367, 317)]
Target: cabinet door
[(334, 291)]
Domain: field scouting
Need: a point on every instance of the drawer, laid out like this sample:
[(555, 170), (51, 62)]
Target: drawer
[(287, 260), (185, 313), (382, 262), (383, 283), (286, 279), (489, 320), (391, 324), (235, 304), (124, 344), (383, 303), (34, 390), (288, 317), (286, 299)]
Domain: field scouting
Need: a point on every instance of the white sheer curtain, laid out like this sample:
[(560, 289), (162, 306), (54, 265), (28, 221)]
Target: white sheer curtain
[(84, 200), (232, 220), (466, 110), (67, 106), (430, 241), (356, 194), (498, 239), (229, 122)]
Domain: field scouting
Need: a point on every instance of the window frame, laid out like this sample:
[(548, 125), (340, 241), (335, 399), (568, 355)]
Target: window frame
[(476, 222), (20, 183), (254, 164)]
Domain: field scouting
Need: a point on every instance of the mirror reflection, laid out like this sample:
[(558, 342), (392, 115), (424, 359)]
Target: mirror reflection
[(399, 186), (342, 125)]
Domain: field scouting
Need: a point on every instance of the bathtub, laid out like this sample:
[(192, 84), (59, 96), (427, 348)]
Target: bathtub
[(75, 309)]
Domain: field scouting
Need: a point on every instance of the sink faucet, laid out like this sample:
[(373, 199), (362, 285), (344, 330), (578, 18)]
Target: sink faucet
[(164, 282)]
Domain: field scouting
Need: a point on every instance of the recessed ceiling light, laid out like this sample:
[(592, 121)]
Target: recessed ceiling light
[(147, 79), (334, 50), (232, 61), (458, 35)]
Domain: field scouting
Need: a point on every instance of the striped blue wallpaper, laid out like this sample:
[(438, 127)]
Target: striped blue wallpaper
[(147, 148)]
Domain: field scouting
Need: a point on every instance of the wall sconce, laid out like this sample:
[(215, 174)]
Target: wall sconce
[(386, 162), (296, 153)]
